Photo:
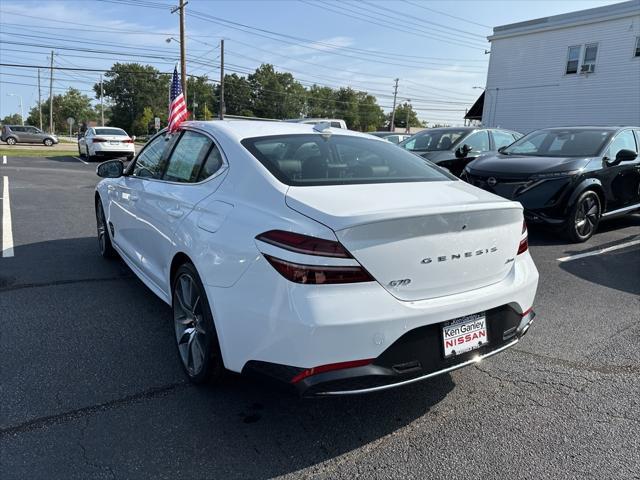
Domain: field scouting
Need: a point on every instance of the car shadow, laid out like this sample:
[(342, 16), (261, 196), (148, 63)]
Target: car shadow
[(618, 269), (122, 347), (540, 235)]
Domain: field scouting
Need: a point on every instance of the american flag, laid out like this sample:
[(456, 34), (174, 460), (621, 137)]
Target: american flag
[(177, 106)]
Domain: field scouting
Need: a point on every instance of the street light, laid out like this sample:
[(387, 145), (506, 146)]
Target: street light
[(21, 110), (478, 88), (172, 39)]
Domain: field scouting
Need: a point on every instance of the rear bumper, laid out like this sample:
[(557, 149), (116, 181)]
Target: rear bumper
[(264, 322), (106, 150), (415, 356)]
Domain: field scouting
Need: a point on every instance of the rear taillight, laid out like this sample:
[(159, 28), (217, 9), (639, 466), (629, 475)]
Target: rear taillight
[(319, 274), (304, 244), (524, 239), (99, 140), (128, 140), (317, 247)]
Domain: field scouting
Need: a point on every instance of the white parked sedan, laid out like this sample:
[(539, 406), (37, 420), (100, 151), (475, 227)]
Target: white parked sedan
[(106, 142), (325, 259)]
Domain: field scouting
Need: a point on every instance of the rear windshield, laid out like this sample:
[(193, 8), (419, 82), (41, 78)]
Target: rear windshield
[(560, 143), (306, 160), (434, 140), (111, 131)]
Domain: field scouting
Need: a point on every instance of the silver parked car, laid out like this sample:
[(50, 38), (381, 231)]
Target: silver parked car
[(455, 147), (12, 134)]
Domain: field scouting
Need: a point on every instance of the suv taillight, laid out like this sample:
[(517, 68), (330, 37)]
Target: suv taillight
[(312, 274), (524, 239)]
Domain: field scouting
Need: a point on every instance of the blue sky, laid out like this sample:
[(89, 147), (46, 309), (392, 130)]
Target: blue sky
[(435, 48)]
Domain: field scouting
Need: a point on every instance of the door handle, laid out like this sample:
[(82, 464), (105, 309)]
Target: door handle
[(175, 212)]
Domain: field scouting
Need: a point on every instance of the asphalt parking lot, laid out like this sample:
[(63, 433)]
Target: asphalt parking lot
[(92, 385)]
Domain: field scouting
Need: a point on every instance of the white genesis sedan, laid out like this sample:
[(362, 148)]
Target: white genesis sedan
[(322, 258)]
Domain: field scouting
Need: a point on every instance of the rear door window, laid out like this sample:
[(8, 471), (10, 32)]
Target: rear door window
[(187, 157)]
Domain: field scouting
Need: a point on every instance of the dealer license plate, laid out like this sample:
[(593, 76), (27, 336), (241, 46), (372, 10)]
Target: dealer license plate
[(464, 334)]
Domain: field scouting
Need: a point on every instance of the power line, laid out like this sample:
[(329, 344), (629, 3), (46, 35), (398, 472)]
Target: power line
[(446, 14), (391, 24)]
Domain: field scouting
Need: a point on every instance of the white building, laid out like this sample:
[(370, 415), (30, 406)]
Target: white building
[(580, 68)]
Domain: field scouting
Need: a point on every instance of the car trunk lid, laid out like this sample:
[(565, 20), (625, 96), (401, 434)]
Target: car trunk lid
[(419, 240)]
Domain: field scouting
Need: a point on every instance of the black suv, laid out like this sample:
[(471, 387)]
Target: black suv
[(568, 178)]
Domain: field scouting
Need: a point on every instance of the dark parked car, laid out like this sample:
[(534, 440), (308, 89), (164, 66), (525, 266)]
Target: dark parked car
[(454, 147), (392, 137), (13, 134), (568, 178)]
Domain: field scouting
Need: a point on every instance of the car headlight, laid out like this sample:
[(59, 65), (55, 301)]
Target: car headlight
[(550, 175)]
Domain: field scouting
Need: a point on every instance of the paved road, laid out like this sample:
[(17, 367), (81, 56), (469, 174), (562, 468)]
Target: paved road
[(92, 388)]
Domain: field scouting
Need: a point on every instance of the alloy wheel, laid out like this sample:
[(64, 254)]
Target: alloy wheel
[(48, 142), (188, 317), (11, 141), (587, 216), (102, 229)]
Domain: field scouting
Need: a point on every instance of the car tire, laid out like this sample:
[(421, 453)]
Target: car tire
[(584, 217), (47, 142), (11, 141), (195, 332), (105, 246)]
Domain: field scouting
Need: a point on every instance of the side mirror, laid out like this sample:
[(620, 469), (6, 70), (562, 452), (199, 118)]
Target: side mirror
[(625, 155), (110, 169), (462, 151), (133, 138)]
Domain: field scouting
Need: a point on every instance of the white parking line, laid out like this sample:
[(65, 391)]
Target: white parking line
[(78, 158), (7, 231), (4, 159), (599, 252)]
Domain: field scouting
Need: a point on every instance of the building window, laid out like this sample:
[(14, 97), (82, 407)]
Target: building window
[(573, 58), (637, 52), (589, 61)]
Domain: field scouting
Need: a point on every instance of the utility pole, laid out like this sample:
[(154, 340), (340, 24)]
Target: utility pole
[(183, 55), (393, 112), (39, 101), (51, 97), (222, 79), (101, 103), (408, 129)]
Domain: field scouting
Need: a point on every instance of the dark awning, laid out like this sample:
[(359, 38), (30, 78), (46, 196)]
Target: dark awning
[(475, 112)]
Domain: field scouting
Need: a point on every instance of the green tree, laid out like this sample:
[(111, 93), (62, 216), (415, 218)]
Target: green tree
[(276, 94), (200, 92), (238, 96), (143, 122), (370, 115), (72, 104), (13, 119), (321, 102), (131, 88), (400, 120), (347, 107)]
